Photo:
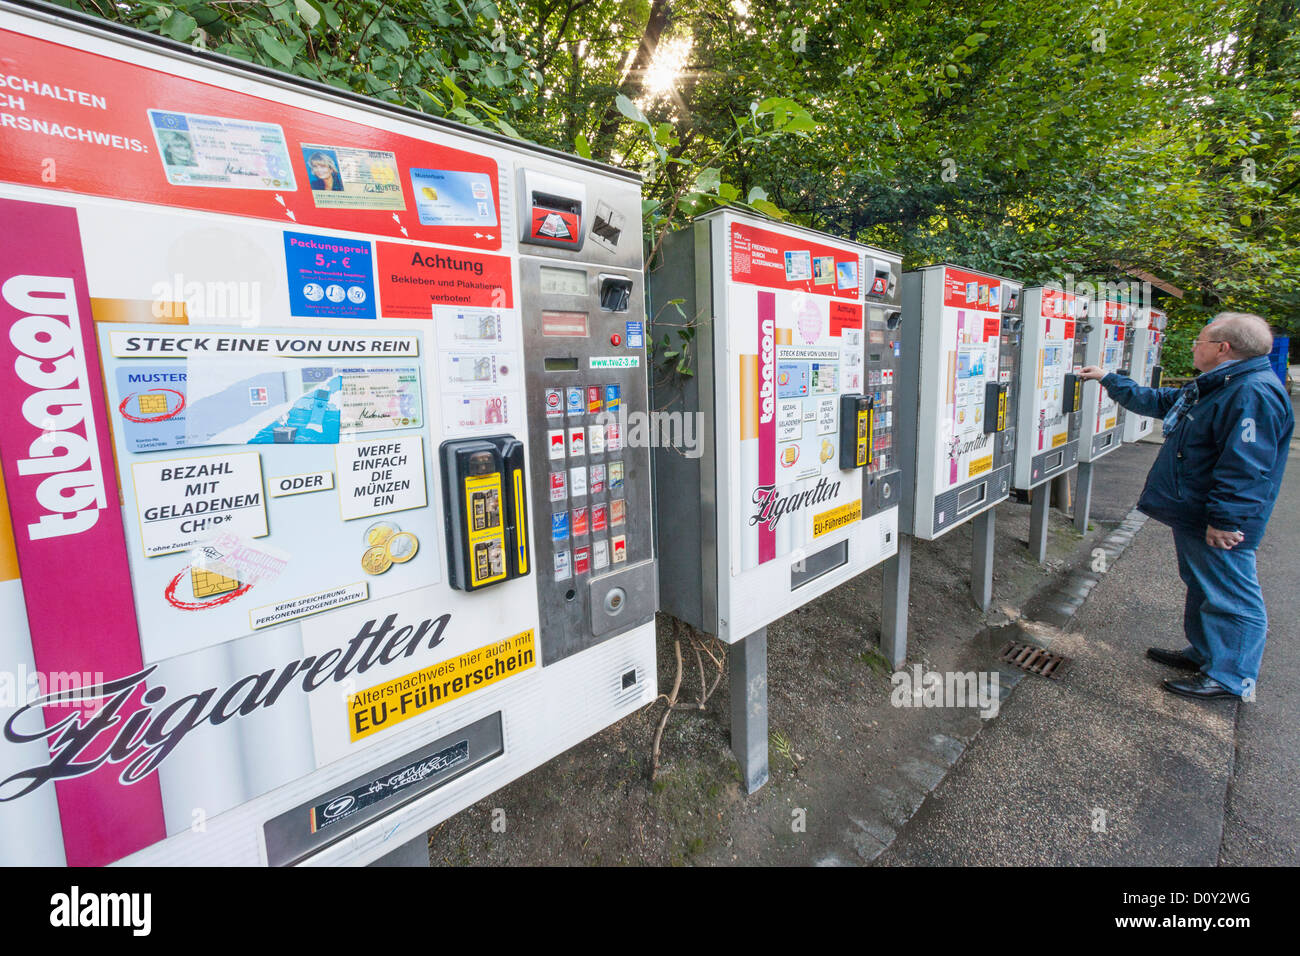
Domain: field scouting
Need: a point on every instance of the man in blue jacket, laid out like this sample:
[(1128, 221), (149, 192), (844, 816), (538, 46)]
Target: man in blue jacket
[(1227, 434)]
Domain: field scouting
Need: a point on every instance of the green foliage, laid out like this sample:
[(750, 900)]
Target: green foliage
[(451, 58), (1043, 141)]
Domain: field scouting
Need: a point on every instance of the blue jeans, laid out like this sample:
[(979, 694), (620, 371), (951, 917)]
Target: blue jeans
[(1224, 616)]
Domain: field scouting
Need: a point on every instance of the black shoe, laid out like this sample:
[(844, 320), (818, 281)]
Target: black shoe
[(1172, 659), (1200, 687)]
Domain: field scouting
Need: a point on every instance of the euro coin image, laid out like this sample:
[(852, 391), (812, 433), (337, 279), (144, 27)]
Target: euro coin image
[(378, 533), (402, 546), (376, 560)]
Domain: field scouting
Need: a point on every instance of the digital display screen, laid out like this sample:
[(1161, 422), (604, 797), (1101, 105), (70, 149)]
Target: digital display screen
[(563, 281)]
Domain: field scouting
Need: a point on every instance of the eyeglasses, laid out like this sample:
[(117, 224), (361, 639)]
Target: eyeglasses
[(1207, 342)]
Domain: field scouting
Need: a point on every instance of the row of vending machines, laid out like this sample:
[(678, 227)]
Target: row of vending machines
[(340, 487)]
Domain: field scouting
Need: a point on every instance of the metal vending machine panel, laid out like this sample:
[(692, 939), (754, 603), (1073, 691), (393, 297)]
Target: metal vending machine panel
[(1103, 418), (292, 526), (1051, 396), (1145, 368), (794, 485), (585, 368), (961, 344)]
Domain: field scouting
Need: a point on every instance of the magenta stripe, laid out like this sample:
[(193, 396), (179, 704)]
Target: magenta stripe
[(73, 563), (766, 423)]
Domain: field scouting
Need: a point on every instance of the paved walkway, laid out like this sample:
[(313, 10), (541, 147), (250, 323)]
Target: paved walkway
[(1105, 767)]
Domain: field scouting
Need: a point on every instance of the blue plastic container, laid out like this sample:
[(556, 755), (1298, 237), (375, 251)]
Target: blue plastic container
[(1278, 357)]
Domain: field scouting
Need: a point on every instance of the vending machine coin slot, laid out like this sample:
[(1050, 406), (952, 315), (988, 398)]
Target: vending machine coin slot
[(857, 425), (486, 503), (995, 407), (1073, 394)]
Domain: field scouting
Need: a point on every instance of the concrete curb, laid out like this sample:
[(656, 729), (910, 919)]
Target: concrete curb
[(890, 805)]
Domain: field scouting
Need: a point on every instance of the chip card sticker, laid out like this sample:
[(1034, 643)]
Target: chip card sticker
[(452, 198), (554, 403), (599, 518), (559, 526), (555, 444), (600, 554), (581, 560), (613, 437), (617, 512), (613, 397), (578, 481), (597, 479), (577, 441), (559, 486), (562, 570), (593, 399), (619, 542), (229, 153), (596, 439), (579, 521), (846, 275), (342, 177), (573, 401), (615, 476)]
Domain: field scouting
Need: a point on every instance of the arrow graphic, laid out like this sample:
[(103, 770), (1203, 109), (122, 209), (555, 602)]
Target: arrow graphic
[(289, 213), (405, 233), (279, 199)]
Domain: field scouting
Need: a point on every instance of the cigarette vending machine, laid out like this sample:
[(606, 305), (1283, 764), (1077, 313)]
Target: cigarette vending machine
[(1142, 358), (793, 487), (319, 523), (1049, 412), (957, 392), (1103, 418), (1103, 345), (961, 340)]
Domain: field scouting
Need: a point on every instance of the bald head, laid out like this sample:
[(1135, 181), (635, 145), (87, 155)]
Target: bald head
[(1248, 335)]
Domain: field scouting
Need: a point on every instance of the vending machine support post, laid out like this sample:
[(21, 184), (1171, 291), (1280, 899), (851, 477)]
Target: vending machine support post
[(748, 663), (1083, 497)]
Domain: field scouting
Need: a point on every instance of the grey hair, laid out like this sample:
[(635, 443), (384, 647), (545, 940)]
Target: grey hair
[(1247, 334)]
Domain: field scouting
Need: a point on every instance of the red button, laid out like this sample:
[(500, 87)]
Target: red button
[(616, 339)]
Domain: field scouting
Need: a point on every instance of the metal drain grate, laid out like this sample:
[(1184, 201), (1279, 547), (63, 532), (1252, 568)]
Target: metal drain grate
[(1034, 659)]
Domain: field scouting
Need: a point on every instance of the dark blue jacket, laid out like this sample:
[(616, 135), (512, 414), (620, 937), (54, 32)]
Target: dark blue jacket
[(1222, 464)]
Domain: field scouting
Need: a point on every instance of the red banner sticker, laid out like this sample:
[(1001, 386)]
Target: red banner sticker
[(413, 279), (91, 124), (970, 290), (776, 260), (992, 328)]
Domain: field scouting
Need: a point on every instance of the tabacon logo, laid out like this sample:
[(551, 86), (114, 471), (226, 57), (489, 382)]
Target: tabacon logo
[(766, 350), (48, 336)]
